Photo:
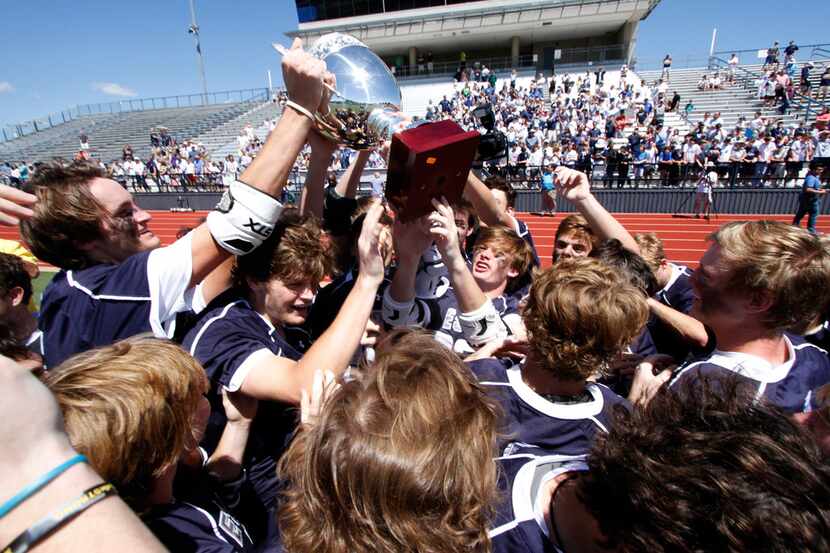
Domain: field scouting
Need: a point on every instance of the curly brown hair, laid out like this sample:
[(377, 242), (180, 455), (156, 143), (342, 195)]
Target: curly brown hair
[(708, 470), (295, 252), (65, 215), (400, 459), (580, 314)]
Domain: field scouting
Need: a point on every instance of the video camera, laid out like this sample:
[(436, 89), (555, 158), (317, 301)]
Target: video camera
[(493, 144)]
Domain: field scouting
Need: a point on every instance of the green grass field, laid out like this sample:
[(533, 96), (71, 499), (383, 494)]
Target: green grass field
[(39, 285)]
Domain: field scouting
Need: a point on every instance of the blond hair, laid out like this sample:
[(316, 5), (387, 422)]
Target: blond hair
[(651, 249), (399, 460), (129, 408), (788, 266), (505, 241), (580, 314)]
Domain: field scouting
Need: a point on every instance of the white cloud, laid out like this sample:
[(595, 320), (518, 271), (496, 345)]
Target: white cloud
[(6, 86), (114, 89)]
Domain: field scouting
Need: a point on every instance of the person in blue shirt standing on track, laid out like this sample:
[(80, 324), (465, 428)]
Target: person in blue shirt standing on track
[(809, 203)]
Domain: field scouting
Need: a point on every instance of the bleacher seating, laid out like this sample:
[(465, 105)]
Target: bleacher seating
[(109, 133), (732, 102)]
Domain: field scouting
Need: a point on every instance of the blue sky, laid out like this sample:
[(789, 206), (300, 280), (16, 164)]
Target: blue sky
[(57, 54)]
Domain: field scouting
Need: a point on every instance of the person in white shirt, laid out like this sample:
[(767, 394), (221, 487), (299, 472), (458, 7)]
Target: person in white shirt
[(703, 195), (733, 66)]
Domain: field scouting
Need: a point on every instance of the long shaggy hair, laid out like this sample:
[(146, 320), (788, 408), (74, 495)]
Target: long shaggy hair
[(399, 460), (708, 469), (294, 252)]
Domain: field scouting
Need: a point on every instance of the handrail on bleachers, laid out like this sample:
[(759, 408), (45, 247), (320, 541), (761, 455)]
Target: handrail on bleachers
[(25, 128)]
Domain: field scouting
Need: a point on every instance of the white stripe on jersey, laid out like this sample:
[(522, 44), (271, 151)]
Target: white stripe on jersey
[(210, 322), (212, 521)]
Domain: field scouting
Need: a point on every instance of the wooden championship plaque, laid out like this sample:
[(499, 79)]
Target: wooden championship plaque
[(428, 161)]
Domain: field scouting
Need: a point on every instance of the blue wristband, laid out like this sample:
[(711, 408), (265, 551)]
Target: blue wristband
[(35, 486)]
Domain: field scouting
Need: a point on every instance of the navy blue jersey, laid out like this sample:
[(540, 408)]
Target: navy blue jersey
[(559, 428), (331, 297), (102, 304), (228, 340), (678, 292), (198, 524), (820, 337), (643, 344), (519, 526), (789, 386), (522, 230), (679, 295)]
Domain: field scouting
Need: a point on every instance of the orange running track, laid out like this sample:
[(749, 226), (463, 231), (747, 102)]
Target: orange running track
[(684, 238)]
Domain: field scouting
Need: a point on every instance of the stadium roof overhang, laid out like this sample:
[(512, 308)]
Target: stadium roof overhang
[(482, 23)]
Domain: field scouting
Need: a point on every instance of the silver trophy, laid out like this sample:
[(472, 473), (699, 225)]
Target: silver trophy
[(364, 108)]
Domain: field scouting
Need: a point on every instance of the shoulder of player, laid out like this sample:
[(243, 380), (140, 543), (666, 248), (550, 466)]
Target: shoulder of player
[(125, 280), (491, 371)]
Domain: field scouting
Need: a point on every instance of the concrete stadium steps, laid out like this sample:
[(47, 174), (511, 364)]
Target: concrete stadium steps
[(221, 141), (733, 101), (684, 238), (108, 135), (19, 148)]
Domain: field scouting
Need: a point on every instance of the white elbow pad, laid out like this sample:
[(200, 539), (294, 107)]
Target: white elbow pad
[(482, 325), (243, 219), (398, 314)]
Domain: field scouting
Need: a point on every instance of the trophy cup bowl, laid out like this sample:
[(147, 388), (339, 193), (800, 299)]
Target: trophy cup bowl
[(365, 110)]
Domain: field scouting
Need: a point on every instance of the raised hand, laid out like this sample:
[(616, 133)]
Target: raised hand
[(443, 229), (370, 246), (303, 76), (411, 239), (572, 185), (15, 205)]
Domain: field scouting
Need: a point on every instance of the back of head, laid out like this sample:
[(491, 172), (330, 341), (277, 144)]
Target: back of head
[(706, 470), (13, 274), (400, 459), (779, 264), (66, 214), (629, 265), (580, 314), (651, 248), (294, 252), (129, 408), (499, 183)]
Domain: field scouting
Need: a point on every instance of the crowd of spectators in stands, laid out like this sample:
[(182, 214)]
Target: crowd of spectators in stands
[(584, 125), (442, 392)]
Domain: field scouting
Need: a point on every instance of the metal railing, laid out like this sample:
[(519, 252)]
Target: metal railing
[(25, 128), (568, 57), (628, 175), (748, 79), (777, 174), (782, 47), (421, 70)]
